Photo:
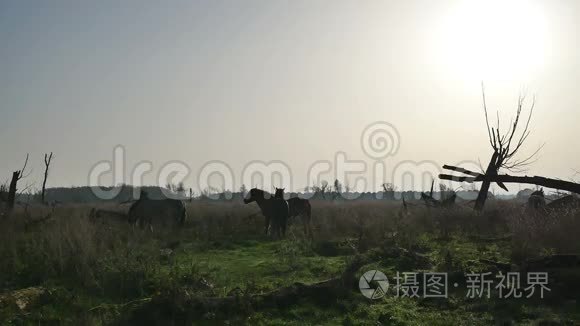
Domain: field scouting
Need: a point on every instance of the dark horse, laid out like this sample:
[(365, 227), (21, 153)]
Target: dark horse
[(275, 210), (298, 207), (165, 212)]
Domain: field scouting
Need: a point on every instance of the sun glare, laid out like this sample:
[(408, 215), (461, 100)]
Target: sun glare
[(494, 40)]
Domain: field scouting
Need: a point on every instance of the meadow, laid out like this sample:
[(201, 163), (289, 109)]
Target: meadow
[(60, 266)]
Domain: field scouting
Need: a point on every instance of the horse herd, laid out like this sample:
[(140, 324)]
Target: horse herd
[(275, 209)]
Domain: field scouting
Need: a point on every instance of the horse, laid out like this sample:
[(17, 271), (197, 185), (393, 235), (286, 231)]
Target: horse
[(298, 207), (165, 211), (568, 202), (537, 200), (103, 216), (275, 210)]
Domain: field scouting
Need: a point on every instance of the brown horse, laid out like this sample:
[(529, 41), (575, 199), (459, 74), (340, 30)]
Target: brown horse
[(165, 212), (275, 210), (298, 207)]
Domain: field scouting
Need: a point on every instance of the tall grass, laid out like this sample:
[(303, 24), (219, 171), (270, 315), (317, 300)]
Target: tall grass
[(113, 259)]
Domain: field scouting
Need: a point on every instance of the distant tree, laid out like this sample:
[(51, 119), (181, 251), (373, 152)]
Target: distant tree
[(320, 190), (337, 186), (347, 187), (180, 189), (389, 190), (47, 161), (3, 192), (210, 193), (337, 189), (445, 191)]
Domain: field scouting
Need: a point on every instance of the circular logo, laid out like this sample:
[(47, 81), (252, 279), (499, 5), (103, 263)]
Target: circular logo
[(380, 140), (373, 284)]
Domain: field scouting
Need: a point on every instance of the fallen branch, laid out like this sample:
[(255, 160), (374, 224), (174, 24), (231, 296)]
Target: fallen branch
[(462, 170), (505, 178)]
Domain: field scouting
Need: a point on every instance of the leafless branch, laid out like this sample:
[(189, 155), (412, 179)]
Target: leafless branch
[(489, 131), (507, 144), (21, 174)]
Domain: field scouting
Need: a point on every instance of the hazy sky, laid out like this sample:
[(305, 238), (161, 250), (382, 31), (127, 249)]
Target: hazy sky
[(295, 81)]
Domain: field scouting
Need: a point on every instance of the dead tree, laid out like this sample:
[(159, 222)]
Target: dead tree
[(47, 160), (429, 200), (3, 192), (506, 178), (16, 176), (447, 197), (505, 146), (389, 191)]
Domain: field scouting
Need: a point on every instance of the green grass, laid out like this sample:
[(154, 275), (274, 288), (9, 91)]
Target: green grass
[(99, 276), (261, 266)]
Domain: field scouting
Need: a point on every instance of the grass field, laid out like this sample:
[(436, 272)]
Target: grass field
[(71, 270)]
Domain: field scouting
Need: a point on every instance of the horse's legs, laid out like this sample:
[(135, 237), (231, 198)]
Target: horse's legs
[(273, 228), (307, 225), (267, 225)]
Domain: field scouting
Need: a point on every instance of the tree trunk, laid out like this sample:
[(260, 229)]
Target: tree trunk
[(47, 160), (12, 190), (491, 170), (505, 178), (44, 185)]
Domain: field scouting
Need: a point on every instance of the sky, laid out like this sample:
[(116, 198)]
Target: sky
[(293, 82)]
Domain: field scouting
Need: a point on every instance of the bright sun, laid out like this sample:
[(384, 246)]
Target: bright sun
[(494, 40)]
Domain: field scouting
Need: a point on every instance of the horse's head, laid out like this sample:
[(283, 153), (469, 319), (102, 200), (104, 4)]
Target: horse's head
[(256, 194), (253, 195), (538, 193), (279, 193)]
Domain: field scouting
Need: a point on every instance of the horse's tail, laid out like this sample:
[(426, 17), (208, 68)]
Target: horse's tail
[(307, 216)]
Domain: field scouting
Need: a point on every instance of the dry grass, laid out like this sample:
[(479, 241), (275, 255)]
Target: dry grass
[(69, 245), (114, 260)]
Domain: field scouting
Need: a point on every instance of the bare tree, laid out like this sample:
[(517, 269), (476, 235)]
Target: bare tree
[(16, 176), (389, 190), (47, 160), (180, 189), (505, 146), (3, 190), (3, 197), (320, 190), (337, 189)]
